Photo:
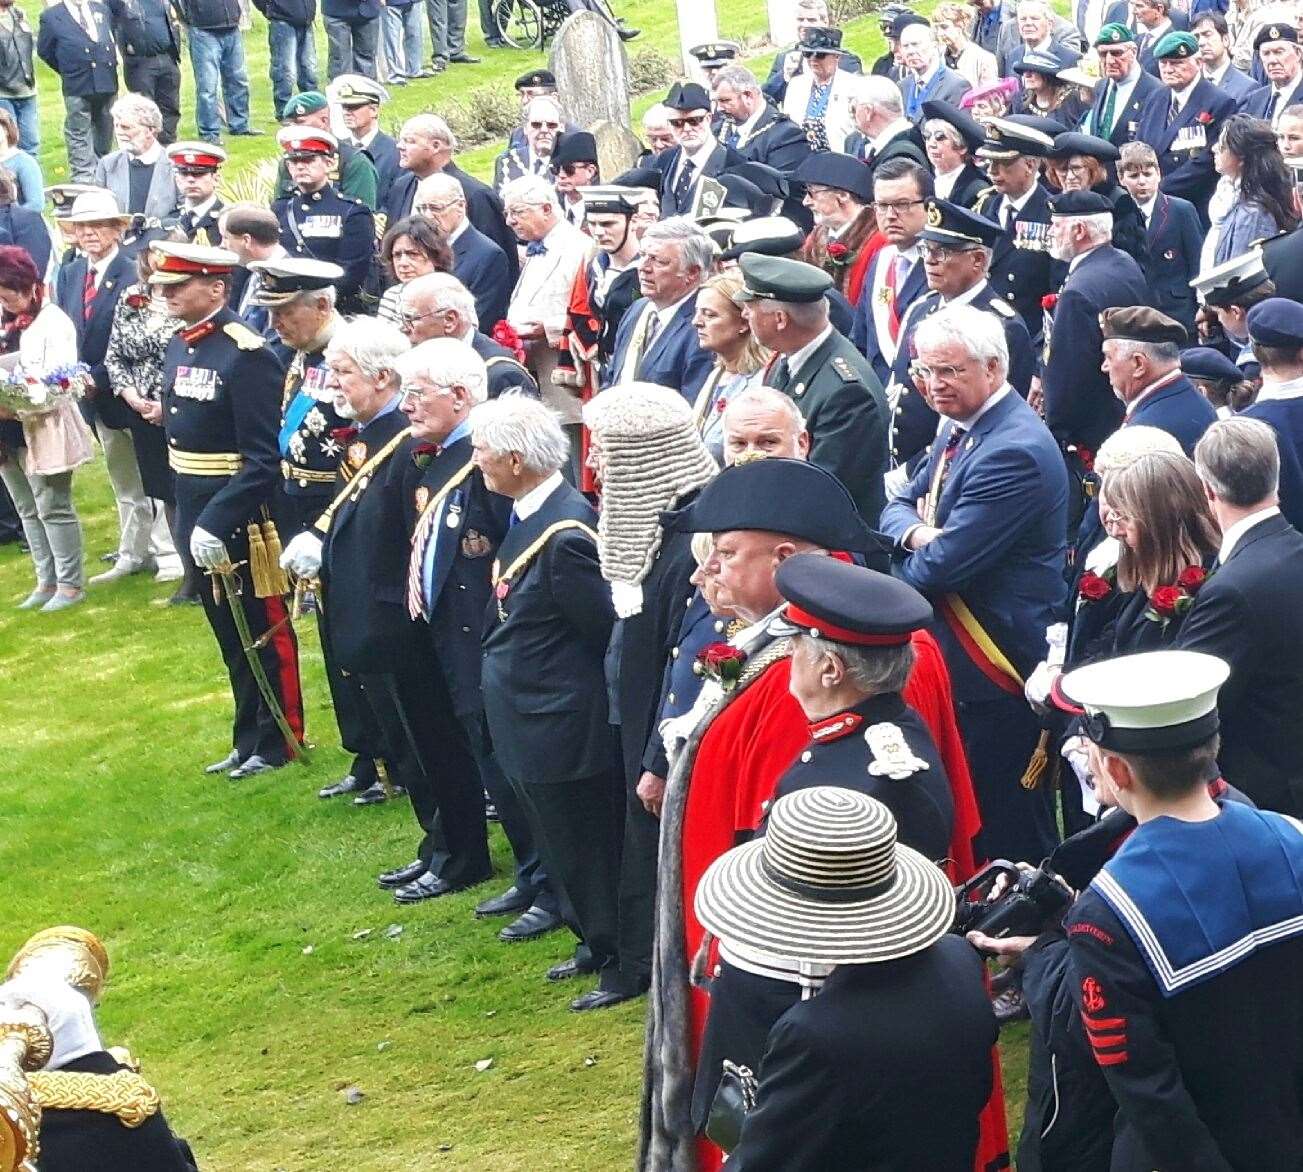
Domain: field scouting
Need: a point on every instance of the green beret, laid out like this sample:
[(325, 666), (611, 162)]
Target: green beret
[(1178, 46), (308, 102), (1115, 34), (774, 278)]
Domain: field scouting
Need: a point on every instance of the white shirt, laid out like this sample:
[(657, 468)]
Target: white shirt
[(1076, 260), (697, 158), (968, 295), (1180, 97), (457, 231), (1147, 209), (368, 138), (199, 210), (1291, 388), (665, 315), (797, 358), (85, 17), (1216, 77), (1124, 91), (529, 504), (747, 128), (150, 157), (1231, 538), (945, 183), (1016, 203), (100, 267)]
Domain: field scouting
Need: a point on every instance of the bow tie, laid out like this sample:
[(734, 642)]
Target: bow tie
[(535, 248)]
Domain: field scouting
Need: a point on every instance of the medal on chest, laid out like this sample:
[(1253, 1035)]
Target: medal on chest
[(422, 498), (357, 454), (195, 382), (323, 226), (500, 592)]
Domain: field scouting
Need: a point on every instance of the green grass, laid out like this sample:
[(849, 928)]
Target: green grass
[(230, 911)]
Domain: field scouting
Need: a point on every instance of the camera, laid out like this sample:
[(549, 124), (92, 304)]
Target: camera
[(1028, 901)]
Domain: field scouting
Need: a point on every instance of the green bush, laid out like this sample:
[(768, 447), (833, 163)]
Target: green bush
[(650, 69)]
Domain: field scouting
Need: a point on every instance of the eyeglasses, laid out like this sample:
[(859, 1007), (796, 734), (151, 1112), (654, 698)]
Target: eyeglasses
[(1076, 168), (426, 209), (408, 394), (937, 136), (899, 207), (407, 320), (572, 168), (1112, 519), (932, 374), (690, 120), (941, 252), (545, 125)]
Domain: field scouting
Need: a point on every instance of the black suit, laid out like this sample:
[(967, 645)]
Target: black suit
[(1259, 102), (479, 264), (88, 74), (907, 144), (823, 1102), (93, 328), (675, 202), (383, 152), (546, 632), (1248, 613)]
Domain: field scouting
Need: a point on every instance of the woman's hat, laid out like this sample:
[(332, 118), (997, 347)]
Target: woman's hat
[(827, 884)]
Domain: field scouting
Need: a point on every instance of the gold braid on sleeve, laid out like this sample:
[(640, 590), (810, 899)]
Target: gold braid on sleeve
[(122, 1093)]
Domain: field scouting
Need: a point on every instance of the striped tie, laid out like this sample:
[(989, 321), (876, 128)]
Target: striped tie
[(416, 563), (88, 292)]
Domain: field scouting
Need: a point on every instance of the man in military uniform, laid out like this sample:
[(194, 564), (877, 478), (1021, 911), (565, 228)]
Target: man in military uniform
[(317, 221), (196, 165), (1020, 270), (352, 171), (1187, 946), (841, 398), (957, 246), (361, 99), (221, 385)]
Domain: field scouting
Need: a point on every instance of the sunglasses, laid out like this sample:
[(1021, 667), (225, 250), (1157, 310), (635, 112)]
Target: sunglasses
[(936, 136), (690, 120), (572, 168), (545, 126)]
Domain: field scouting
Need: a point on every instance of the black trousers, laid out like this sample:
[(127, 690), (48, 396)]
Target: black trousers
[(254, 729), (157, 77), (999, 737), (577, 827), (639, 854), (11, 528)]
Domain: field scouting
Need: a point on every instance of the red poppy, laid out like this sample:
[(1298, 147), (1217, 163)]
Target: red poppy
[(1191, 578), (1164, 600), (343, 435), (718, 654), (507, 337), (1093, 588), (1049, 301), (137, 300), (838, 251), (1204, 118)]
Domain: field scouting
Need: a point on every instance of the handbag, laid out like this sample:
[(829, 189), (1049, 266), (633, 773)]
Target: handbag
[(734, 1098)]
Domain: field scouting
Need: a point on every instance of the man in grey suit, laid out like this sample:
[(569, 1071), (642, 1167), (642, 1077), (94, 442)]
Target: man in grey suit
[(139, 173), (928, 77), (1034, 27)]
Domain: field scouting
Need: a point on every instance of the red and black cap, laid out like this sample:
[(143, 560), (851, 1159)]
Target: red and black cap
[(844, 603)]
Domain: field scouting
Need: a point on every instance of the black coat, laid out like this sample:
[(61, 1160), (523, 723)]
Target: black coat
[(505, 373), (775, 140), (1173, 241), (824, 1102), (383, 152), (479, 264), (1249, 614), (968, 186), (1285, 417), (85, 67), (542, 673), (468, 536), (1020, 263), (81, 1140), (331, 227), (93, 331), (364, 559)]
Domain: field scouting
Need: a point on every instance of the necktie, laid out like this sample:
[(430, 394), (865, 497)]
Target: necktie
[(1271, 106), (953, 441), (1107, 111), (88, 292), (782, 376), (536, 248), (513, 520), (683, 188), (653, 328), (1173, 110), (731, 136), (416, 563)]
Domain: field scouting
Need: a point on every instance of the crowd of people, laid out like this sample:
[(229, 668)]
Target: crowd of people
[(892, 473)]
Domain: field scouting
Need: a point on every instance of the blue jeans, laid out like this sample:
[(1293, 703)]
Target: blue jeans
[(28, 118), (215, 54), (293, 61), (403, 40)]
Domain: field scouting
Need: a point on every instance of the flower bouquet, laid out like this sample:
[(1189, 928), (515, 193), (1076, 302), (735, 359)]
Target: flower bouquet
[(23, 393)]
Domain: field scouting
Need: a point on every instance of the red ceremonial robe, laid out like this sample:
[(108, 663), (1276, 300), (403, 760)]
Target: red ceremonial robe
[(747, 748)]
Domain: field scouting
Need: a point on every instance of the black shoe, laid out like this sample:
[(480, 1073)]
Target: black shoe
[(464, 59), (534, 923), (510, 902), (428, 886), (626, 34), (400, 876), (347, 785), (248, 132), (109, 557), (371, 795), (1010, 1006), (230, 761), (567, 970), (600, 999), (495, 43), (185, 598), (252, 767)]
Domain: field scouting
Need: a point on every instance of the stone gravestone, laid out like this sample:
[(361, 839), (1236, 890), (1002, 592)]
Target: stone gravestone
[(592, 71), (698, 25), (782, 22)]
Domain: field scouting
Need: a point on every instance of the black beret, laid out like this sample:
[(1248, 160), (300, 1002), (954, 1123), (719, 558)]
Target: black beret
[(1079, 203), (970, 130), (791, 497), (834, 169), (903, 21), (1076, 143), (687, 96), (536, 79), (828, 598), (1206, 363), (1280, 31), (1278, 321), (576, 147), (1139, 323)]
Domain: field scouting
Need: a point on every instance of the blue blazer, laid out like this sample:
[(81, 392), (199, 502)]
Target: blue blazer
[(1238, 84), (93, 331), (1285, 417), (1004, 518), (863, 333), (1187, 173), (26, 229), (85, 67), (383, 152), (674, 359), (481, 266), (1178, 409), (1258, 100), (1126, 121), (1174, 238)]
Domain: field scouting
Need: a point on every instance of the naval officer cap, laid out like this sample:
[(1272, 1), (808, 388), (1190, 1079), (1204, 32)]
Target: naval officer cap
[(177, 261), (777, 495), (1176, 46), (1139, 323), (1225, 284), (716, 54), (283, 279), (1157, 701), (828, 598), (63, 195), (1203, 362), (1006, 139), (957, 227), (775, 278), (764, 236), (1079, 203), (1277, 322), (354, 91), (839, 171)]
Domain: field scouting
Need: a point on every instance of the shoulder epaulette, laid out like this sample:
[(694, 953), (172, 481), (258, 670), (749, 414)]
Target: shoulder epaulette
[(242, 336), (123, 1093)]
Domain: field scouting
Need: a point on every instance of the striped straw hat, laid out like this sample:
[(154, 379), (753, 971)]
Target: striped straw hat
[(827, 883)]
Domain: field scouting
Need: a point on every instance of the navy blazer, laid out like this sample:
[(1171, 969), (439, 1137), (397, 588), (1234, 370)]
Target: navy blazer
[(1126, 121), (383, 152), (1258, 100), (1285, 417), (1004, 515), (674, 359), (26, 229), (864, 334), (1188, 172), (1236, 83), (85, 67), (1174, 239), (93, 330), (721, 159), (1178, 409), (480, 265)]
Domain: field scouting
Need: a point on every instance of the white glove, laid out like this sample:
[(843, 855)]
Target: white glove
[(207, 550), (1037, 687), (302, 557)]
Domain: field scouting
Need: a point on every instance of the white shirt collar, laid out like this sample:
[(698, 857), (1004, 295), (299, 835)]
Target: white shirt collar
[(923, 78), (457, 231), (1216, 77), (1291, 388), (887, 133), (529, 504), (702, 153), (968, 295), (971, 422), (1045, 46), (1018, 202), (100, 267), (151, 156), (749, 125), (1076, 260), (749, 636), (666, 315), (1231, 538), (199, 210), (1147, 209), (797, 358), (369, 137)]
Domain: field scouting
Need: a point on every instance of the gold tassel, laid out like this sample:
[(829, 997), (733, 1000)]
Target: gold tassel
[(1039, 763), (264, 562), (277, 579)]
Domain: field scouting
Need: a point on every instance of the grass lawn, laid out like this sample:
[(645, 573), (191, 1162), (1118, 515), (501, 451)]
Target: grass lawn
[(254, 970)]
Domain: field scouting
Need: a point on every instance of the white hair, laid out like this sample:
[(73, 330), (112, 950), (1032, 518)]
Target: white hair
[(432, 127), (872, 90), (1126, 445), (440, 186), (768, 399), (374, 344), (447, 362), (695, 247), (308, 296), (140, 109), (514, 422), (531, 190), (657, 115), (979, 333), (445, 292), (546, 100), (1099, 225)]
